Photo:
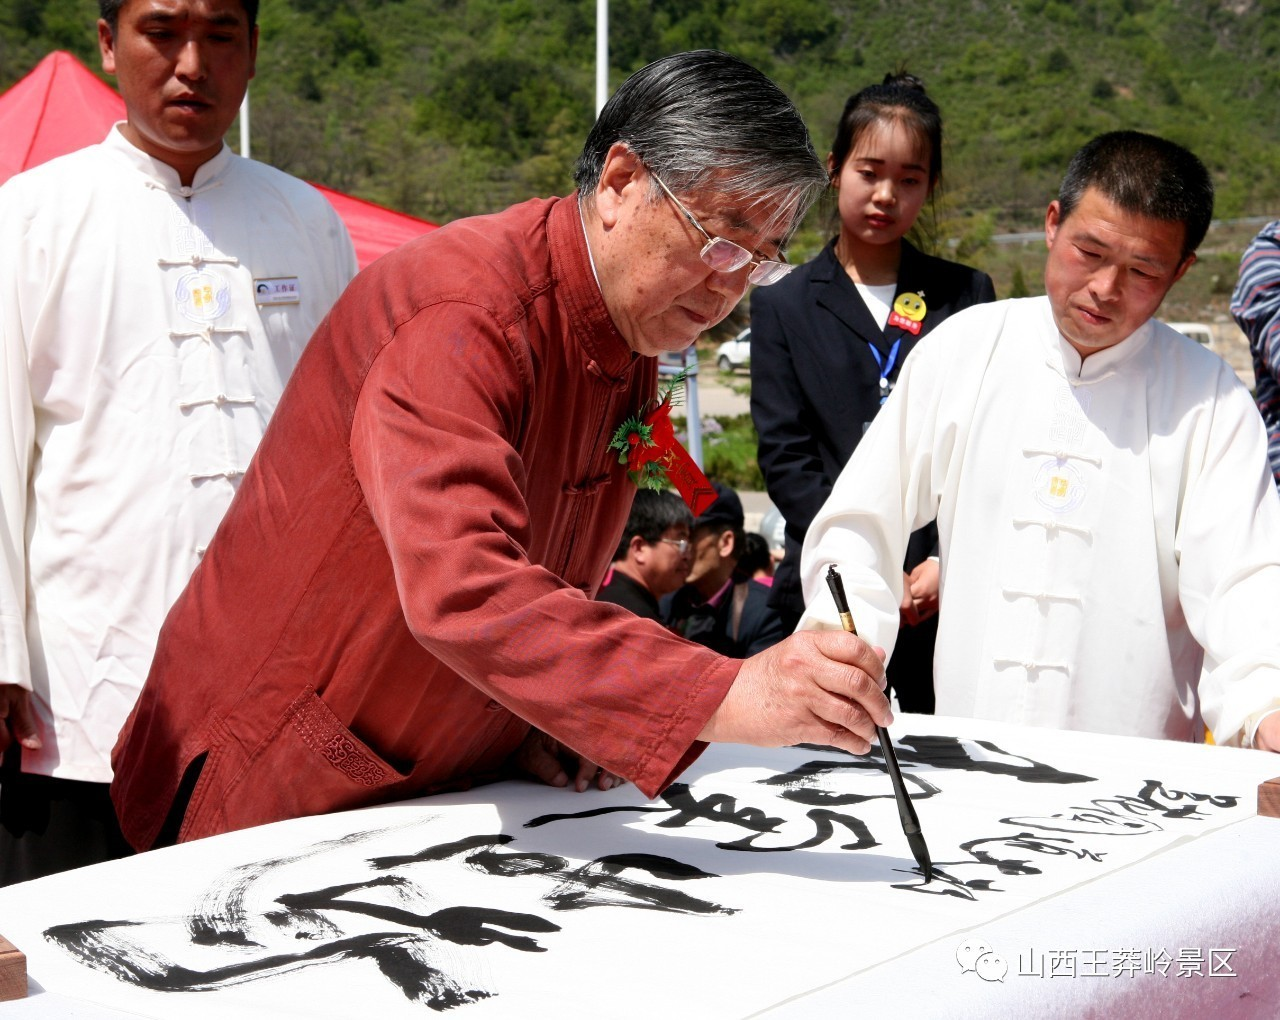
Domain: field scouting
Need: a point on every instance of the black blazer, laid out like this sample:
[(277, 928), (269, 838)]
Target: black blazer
[(815, 385), (760, 627)]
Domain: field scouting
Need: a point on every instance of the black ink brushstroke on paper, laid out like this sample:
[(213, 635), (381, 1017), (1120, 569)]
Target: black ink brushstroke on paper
[(1123, 815), (684, 808), (953, 754), (410, 960)]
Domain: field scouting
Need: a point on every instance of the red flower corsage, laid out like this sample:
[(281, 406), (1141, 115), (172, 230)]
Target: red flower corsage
[(644, 443), (654, 458)]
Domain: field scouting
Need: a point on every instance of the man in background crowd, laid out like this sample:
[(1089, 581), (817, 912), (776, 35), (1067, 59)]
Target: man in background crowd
[(716, 607), (653, 556), (1256, 307), (756, 562)]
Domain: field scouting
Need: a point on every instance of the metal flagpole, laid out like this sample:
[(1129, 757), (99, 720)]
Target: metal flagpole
[(602, 54), (244, 125)]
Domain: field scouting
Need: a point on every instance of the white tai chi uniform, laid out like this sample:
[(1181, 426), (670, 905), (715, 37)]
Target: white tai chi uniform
[(146, 331), (1107, 527)]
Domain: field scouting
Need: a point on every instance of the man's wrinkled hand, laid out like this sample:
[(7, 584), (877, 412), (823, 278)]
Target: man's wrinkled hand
[(546, 759), (17, 719), (818, 687)]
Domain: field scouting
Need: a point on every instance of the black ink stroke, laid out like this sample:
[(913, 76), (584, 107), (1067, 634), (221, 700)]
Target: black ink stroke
[(220, 918), (464, 926), (684, 809), (801, 784), (411, 958), (1129, 815), (1123, 815), (943, 883), (601, 883), (400, 957), (955, 754), (411, 961)]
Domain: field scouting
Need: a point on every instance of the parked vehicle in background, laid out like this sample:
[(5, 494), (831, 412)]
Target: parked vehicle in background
[(1197, 331), (672, 362), (736, 353)]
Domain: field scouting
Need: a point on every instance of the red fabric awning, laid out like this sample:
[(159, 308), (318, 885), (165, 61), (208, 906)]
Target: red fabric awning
[(374, 228), (57, 108), (61, 106)]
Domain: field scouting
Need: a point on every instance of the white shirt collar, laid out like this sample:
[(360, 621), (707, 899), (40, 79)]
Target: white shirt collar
[(1098, 365), (160, 174), (582, 218)]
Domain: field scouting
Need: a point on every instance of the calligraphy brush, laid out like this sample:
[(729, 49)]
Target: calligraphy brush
[(906, 813)]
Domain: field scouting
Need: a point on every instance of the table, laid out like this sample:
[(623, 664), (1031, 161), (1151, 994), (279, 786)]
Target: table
[(1077, 874)]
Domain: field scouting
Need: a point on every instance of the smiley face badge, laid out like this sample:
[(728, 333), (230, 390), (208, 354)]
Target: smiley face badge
[(908, 311)]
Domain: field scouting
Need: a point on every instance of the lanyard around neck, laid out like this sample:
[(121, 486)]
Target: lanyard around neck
[(885, 364)]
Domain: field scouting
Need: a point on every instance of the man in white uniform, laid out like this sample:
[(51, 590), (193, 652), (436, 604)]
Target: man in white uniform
[(1110, 536), (155, 293)]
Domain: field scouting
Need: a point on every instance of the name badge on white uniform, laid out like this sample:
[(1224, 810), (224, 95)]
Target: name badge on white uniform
[(279, 290)]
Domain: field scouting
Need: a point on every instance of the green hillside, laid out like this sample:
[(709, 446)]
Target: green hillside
[(452, 107)]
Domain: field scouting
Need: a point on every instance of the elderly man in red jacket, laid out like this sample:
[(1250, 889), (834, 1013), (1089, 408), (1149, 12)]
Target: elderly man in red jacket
[(399, 600)]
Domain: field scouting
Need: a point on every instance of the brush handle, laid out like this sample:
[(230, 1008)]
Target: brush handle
[(907, 813)]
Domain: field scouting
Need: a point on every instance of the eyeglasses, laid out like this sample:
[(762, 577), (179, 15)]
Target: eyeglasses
[(682, 545), (724, 256)]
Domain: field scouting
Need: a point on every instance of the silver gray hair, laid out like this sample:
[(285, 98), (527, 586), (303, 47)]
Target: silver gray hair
[(705, 120)]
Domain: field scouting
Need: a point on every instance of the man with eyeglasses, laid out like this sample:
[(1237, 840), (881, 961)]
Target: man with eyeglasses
[(724, 256), (653, 556), (400, 602)]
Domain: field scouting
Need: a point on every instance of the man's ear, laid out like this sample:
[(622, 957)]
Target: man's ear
[(1187, 263), (727, 543), (106, 46), (637, 546), (253, 52), (623, 172), (1052, 221)]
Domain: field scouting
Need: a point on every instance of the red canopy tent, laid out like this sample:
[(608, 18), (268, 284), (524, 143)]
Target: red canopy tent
[(374, 228), (61, 106)]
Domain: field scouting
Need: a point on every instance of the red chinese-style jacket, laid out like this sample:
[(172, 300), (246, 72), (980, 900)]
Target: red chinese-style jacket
[(403, 582)]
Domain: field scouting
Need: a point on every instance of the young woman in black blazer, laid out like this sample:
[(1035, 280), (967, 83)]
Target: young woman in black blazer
[(828, 340)]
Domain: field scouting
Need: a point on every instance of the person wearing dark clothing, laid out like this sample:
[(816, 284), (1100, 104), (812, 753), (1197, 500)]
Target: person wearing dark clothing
[(653, 555), (828, 342), (756, 562), (716, 608)]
